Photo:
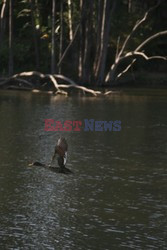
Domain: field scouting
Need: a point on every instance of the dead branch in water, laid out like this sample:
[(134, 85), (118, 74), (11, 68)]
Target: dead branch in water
[(19, 81)]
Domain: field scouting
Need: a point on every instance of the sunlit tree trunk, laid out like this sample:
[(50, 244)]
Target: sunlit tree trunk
[(53, 64), (80, 43), (70, 19), (3, 13), (3, 19), (35, 35), (85, 41), (10, 37), (99, 15), (129, 6), (87, 64), (103, 33), (61, 34), (108, 10)]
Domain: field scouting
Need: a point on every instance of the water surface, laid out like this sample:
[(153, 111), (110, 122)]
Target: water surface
[(116, 198)]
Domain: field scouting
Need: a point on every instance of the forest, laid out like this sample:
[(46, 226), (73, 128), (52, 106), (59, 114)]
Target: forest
[(44, 44)]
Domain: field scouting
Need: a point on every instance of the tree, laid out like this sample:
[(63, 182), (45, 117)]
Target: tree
[(61, 34), (35, 34), (85, 41), (3, 19), (53, 63), (10, 37), (70, 20), (105, 13)]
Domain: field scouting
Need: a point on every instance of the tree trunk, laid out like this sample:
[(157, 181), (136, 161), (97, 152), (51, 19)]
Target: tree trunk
[(98, 32), (10, 38), (129, 6), (70, 20), (61, 34), (80, 42), (3, 13), (53, 64), (100, 63), (85, 41), (35, 35), (3, 19)]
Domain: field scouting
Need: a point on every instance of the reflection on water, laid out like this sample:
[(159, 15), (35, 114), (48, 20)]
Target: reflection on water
[(117, 197)]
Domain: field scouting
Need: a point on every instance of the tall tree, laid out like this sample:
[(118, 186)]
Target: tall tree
[(85, 41), (70, 20), (35, 34), (3, 13), (3, 19), (104, 27), (98, 25), (61, 34), (53, 63), (10, 37)]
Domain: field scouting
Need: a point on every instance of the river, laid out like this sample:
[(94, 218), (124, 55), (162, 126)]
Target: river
[(117, 196)]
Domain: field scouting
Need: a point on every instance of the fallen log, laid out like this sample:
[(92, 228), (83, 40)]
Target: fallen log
[(19, 81), (83, 89), (53, 169)]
